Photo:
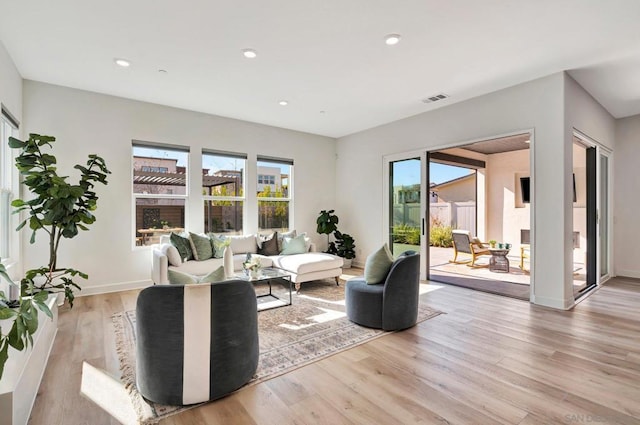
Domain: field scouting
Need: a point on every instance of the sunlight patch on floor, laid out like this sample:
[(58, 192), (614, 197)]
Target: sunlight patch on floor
[(327, 316), (336, 302), (429, 287)]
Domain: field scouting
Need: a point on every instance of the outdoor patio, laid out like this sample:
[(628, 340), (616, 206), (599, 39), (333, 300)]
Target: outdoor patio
[(514, 284)]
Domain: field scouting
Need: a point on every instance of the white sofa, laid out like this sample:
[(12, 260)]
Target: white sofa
[(306, 267)]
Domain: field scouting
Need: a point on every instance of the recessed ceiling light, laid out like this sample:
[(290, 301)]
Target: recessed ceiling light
[(322, 112), (283, 103), (392, 39), (249, 53), (122, 62), (162, 71)]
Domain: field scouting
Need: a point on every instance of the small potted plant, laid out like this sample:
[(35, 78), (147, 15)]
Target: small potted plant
[(492, 243), (345, 246)]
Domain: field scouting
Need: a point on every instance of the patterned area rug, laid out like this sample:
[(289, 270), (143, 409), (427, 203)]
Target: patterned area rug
[(314, 327)]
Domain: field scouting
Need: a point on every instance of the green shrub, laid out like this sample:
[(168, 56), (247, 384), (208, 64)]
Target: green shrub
[(441, 236), (405, 234)]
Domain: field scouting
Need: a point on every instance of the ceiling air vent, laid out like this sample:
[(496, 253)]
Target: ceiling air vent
[(435, 98)]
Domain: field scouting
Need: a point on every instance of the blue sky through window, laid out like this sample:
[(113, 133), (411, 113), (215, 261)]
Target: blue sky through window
[(406, 173)]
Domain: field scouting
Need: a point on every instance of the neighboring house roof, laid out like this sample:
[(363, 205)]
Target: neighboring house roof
[(449, 182)]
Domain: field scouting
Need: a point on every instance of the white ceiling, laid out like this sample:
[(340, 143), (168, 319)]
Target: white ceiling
[(324, 55)]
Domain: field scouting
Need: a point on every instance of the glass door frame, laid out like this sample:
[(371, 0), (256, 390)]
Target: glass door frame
[(606, 153), (599, 153), (386, 201)]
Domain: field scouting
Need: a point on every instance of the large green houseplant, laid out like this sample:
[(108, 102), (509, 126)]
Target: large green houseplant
[(60, 210), (344, 245), (327, 223)]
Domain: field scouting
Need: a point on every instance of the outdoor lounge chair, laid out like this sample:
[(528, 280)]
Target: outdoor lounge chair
[(464, 243), (525, 252)]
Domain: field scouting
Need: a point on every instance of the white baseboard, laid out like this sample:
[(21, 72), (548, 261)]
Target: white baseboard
[(553, 302), (358, 264), (628, 273), (113, 287)]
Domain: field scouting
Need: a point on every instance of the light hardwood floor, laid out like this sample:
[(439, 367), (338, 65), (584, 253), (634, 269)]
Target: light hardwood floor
[(488, 360)]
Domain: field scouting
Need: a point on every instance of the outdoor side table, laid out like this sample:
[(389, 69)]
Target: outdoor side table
[(499, 261)]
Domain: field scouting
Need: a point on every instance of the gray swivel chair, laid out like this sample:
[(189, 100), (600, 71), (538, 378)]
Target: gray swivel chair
[(391, 305), (196, 342)]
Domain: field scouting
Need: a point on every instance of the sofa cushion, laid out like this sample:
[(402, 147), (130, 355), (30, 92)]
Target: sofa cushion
[(201, 268), (183, 245), (181, 278), (295, 245), (244, 244), (378, 264), (269, 244), (308, 262), (201, 247), (172, 254)]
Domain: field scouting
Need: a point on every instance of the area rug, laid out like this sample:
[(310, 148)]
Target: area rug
[(313, 328)]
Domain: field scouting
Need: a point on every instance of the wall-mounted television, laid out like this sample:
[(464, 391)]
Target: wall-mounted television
[(525, 189)]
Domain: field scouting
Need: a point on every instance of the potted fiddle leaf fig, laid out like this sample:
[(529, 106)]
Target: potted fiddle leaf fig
[(60, 210), (327, 223), (56, 208), (345, 247)]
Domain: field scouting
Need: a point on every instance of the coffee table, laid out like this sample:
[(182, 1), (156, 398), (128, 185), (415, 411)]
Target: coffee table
[(270, 276)]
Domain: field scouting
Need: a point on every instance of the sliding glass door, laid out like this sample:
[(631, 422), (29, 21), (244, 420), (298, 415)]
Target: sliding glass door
[(405, 215)]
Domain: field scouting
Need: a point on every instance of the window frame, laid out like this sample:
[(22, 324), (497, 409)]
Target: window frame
[(243, 188), (135, 195), (9, 184), (288, 198)]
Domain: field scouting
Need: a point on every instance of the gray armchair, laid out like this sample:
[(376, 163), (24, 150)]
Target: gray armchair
[(197, 342), (391, 305)]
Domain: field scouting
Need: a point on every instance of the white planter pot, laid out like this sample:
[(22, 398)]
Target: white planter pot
[(347, 263)]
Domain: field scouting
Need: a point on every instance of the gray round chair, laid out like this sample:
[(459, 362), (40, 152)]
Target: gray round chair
[(390, 305), (196, 342)]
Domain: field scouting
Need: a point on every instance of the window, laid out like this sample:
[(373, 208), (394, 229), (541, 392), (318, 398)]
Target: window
[(223, 191), (264, 179), (274, 193), (8, 188), (159, 199)]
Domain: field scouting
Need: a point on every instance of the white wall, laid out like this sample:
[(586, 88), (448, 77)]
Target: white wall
[(506, 214), (627, 200), (85, 122), (10, 84), (537, 105)]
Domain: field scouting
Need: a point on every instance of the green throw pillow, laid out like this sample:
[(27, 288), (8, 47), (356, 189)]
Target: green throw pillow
[(183, 246), (218, 243), (201, 246), (180, 278), (377, 266), (292, 246), (215, 276)]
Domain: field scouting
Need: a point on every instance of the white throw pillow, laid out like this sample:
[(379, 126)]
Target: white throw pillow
[(172, 254), (244, 244)]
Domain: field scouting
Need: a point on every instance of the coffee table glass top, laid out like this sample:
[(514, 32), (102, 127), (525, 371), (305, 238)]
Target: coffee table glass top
[(265, 274)]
